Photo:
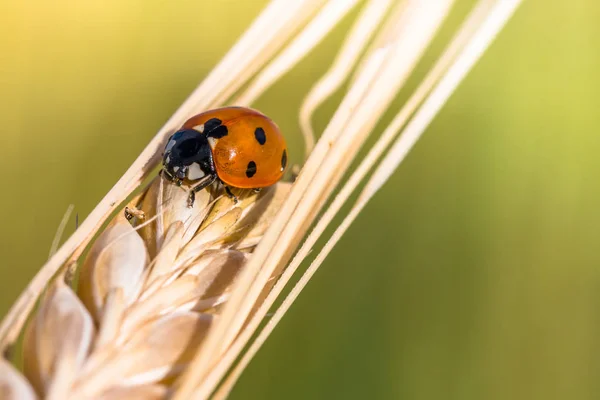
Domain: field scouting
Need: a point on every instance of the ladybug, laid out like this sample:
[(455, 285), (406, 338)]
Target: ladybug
[(237, 146)]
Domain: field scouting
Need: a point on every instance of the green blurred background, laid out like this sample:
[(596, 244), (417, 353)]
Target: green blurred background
[(474, 273)]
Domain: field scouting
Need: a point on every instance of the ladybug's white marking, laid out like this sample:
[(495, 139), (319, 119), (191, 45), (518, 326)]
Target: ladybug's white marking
[(175, 169), (212, 142), (199, 128), (195, 172)]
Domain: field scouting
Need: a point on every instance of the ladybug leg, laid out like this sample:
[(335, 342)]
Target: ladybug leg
[(170, 177), (256, 190), (165, 174), (231, 195), (202, 184)]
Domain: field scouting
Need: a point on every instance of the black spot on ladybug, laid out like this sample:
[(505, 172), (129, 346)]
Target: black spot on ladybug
[(251, 169), (218, 132), (214, 128), (212, 124), (284, 160), (259, 134)]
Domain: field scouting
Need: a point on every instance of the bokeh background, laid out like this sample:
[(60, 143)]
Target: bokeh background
[(473, 274)]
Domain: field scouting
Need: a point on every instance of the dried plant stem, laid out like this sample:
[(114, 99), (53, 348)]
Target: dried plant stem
[(271, 29), (358, 37), (457, 44), (312, 34), (60, 230)]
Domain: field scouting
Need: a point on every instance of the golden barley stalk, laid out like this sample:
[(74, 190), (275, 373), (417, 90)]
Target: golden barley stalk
[(167, 302)]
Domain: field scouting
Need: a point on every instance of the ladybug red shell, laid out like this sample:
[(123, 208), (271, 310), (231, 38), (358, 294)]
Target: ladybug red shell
[(239, 146)]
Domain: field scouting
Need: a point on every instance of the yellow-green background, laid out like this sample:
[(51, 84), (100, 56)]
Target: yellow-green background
[(473, 274)]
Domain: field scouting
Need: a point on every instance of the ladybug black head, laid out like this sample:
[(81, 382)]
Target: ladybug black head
[(188, 156)]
